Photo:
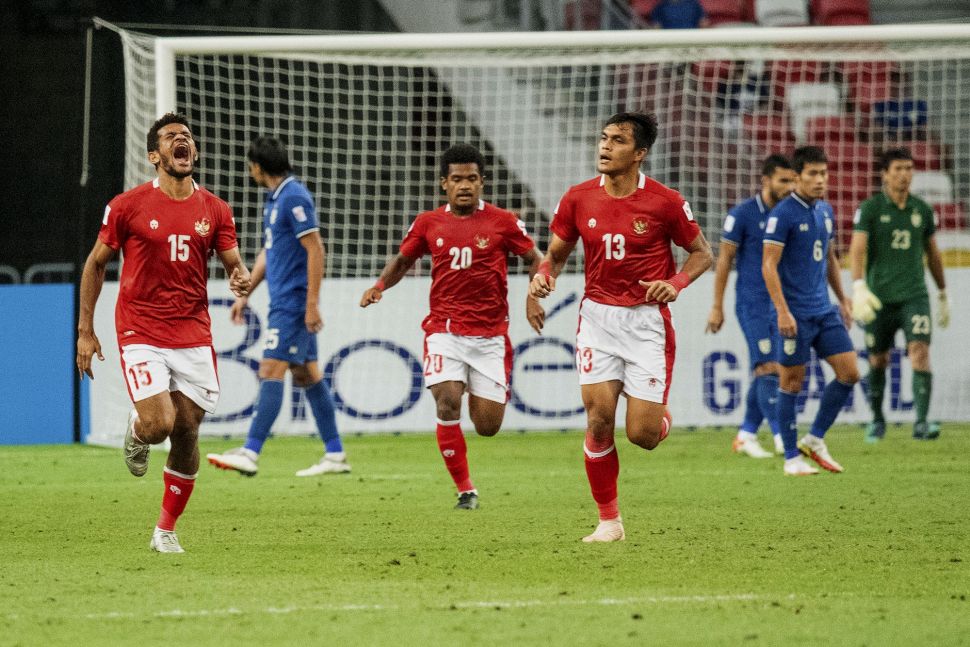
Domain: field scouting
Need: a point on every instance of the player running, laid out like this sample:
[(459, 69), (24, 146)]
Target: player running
[(625, 341), (292, 263), (165, 229), (798, 258), (892, 232), (742, 238), (466, 344)]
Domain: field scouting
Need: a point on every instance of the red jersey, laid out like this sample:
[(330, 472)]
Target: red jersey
[(165, 245), (469, 272), (625, 240)]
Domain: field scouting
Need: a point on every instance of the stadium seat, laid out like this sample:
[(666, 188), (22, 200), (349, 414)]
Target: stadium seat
[(781, 13), (841, 12), (783, 73), (582, 15), (927, 156), (710, 73), (643, 8), (934, 187), (823, 131), (951, 215), (769, 131), (871, 81), (900, 119), (808, 100), (721, 12)]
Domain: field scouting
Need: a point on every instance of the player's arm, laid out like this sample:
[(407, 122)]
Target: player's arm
[(313, 245), (239, 279), (544, 280), (92, 280), (535, 314), (864, 302), (392, 273), (934, 260), (699, 260), (725, 260), (255, 278), (769, 271), (834, 274)]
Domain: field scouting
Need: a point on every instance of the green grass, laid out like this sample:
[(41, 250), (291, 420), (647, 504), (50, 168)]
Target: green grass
[(720, 549)]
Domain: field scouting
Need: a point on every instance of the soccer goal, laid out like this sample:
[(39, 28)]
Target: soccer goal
[(365, 118)]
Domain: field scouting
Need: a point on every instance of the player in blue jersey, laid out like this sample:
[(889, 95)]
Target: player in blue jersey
[(292, 263), (741, 239), (798, 260)]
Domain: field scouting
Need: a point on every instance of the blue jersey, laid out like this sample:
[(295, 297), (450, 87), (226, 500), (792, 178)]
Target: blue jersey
[(744, 226), (805, 230), (288, 216)]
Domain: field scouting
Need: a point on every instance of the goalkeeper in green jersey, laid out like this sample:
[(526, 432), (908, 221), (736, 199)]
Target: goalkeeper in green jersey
[(893, 231)]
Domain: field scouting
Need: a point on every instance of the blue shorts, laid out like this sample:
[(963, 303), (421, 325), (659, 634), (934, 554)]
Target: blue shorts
[(288, 339), (759, 323), (825, 332)]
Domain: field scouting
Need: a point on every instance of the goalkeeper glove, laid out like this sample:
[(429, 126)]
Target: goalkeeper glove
[(943, 310), (864, 302)]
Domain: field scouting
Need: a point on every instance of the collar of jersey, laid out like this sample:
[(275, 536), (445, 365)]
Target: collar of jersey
[(195, 185), (481, 205), (642, 182), (761, 203), (276, 193), (802, 202)]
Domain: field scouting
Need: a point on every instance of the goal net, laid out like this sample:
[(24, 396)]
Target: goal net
[(366, 118)]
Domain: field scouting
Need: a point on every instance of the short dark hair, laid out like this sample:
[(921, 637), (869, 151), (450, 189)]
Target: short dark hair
[(644, 126), (891, 155), (165, 120), (774, 162), (270, 154), (462, 154), (808, 155)]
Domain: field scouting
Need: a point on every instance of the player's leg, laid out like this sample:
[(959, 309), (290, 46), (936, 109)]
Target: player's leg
[(755, 325), (486, 414), (489, 373), (601, 460), (147, 376), (451, 440), (766, 383), (334, 459), (917, 327), (880, 336), (795, 352)]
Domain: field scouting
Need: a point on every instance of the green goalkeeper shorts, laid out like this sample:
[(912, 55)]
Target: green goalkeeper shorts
[(912, 317)]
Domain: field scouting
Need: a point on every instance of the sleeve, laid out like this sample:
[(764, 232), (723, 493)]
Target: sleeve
[(862, 219), (733, 229), (776, 229), (301, 213), (414, 244), (114, 225), (517, 238), (225, 238), (683, 227), (564, 219)]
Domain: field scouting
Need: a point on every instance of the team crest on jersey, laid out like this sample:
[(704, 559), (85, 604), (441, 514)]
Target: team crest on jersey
[(153, 224), (592, 223), (640, 226), (439, 242), (916, 219), (764, 345), (790, 346), (481, 242), (202, 227)]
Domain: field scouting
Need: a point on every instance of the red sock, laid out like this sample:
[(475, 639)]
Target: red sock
[(178, 489), (602, 469), (451, 442)]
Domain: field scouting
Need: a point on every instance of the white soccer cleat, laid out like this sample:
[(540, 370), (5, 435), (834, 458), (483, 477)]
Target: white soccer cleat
[(798, 467), (136, 452), (609, 530), (748, 445), (329, 464), (165, 541), (779, 445), (245, 461), (814, 447)]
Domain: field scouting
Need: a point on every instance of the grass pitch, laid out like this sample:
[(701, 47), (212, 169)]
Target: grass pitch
[(720, 549)]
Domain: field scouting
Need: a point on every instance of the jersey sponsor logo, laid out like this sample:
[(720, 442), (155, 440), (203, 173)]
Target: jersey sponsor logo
[(640, 226), (128, 333), (803, 227), (439, 242), (591, 223), (203, 227), (448, 453), (771, 226), (790, 346), (729, 224), (761, 225), (107, 210), (916, 219), (885, 218), (176, 490), (521, 226), (481, 242), (764, 345), (687, 211), (153, 224), (299, 213)]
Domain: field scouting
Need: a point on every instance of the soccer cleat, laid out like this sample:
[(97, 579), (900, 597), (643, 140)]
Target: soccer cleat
[(136, 452), (813, 447), (875, 431), (326, 466), (926, 431), (798, 467), (608, 530), (240, 459), (749, 447), (779, 445), (467, 501), (165, 541)]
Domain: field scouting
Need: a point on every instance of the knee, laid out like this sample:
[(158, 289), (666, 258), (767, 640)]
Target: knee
[(599, 423), (647, 435), (879, 361), (155, 427), (301, 378), (919, 357), (487, 428), (448, 409), (790, 384)]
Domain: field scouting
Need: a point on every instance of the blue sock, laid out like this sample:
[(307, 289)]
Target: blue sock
[(753, 414), (326, 416), (833, 398), (786, 422), (267, 408), (768, 399)]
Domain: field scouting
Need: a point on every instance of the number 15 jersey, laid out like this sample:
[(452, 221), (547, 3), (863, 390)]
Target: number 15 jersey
[(625, 240)]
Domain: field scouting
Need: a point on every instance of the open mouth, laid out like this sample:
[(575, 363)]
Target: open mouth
[(182, 152)]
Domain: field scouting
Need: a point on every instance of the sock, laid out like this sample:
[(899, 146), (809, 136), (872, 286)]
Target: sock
[(324, 413), (753, 413), (767, 387), (833, 398), (877, 389), (602, 470), (922, 390), (451, 442), (267, 408), (786, 422), (178, 489)]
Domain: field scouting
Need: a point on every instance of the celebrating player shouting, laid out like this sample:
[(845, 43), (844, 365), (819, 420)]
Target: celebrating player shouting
[(625, 342), (165, 229)]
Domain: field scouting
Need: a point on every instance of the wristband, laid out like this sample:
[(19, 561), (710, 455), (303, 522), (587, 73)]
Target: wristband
[(679, 280), (545, 268), (379, 285)]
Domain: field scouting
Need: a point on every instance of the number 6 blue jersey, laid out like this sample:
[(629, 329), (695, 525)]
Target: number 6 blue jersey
[(287, 216)]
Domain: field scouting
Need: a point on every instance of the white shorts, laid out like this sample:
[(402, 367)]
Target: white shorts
[(483, 364), (634, 345), (150, 370)]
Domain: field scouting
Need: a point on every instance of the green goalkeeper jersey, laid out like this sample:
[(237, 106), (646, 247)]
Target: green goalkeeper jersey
[(897, 242)]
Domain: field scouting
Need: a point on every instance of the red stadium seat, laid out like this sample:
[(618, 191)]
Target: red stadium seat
[(784, 73), (840, 12), (927, 156), (723, 11), (769, 131), (747, 11), (710, 73), (582, 15), (822, 131), (643, 8), (950, 215), (871, 81)]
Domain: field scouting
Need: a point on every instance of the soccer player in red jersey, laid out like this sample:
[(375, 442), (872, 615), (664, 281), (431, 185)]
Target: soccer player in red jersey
[(166, 230), (625, 340), (466, 344)]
